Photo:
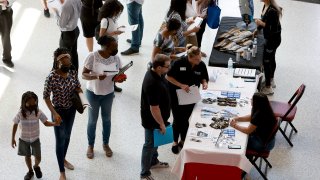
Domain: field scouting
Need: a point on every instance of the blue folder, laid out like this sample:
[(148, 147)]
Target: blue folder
[(162, 139)]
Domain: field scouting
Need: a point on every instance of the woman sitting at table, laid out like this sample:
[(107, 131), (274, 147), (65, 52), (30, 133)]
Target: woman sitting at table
[(184, 72), (262, 122)]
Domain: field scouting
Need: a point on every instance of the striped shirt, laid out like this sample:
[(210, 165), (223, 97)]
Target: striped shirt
[(30, 130), (61, 88), (183, 27)]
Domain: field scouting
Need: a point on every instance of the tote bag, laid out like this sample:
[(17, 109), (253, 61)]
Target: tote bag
[(214, 12)]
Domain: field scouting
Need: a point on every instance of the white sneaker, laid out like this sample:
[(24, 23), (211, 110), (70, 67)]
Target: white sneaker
[(273, 84), (267, 90)]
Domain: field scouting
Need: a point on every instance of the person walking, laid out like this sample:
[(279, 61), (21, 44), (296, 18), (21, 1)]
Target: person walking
[(5, 30), (134, 8), (155, 112), (99, 69), (67, 21), (61, 83)]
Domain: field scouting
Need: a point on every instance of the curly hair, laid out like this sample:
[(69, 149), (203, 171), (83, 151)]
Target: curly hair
[(26, 97), (110, 9)]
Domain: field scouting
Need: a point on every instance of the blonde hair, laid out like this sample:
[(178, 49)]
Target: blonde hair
[(193, 50)]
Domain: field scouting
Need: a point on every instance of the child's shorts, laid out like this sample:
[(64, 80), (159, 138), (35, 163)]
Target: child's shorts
[(29, 148)]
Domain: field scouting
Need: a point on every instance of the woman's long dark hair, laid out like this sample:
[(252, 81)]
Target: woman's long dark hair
[(261, 104), (25, 97), (178, 6), (109, 9)]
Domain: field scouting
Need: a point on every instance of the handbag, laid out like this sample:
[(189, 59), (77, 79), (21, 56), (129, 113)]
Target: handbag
[(76, 102), (214, 12)]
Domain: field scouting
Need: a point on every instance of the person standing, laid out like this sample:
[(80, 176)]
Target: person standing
[(270, 23), (134, 8), (155, 112), (100, 90), (5, 30), (89, 20), (62, 82), (29, 143), (67, 21), (185, 72)]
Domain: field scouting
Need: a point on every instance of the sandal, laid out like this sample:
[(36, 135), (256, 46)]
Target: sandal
[(108, 150), (90, 153), (68, 165)]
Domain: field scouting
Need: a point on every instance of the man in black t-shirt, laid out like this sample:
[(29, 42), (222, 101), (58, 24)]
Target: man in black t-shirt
[(155, 112)]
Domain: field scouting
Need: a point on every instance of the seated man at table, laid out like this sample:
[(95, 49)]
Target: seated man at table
[(155, 112)]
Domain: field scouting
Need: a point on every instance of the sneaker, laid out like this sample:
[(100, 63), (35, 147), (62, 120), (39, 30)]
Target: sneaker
[(46, 13), (160, 165), (68, 165), (273, 84), (29, 175), (267, 90), (8, 63), (129, 51), (38, 172), (147, 178), (108, 150), (117, 89), (90, 152)]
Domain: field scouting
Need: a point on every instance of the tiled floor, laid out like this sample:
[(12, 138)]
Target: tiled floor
[(35, 37)]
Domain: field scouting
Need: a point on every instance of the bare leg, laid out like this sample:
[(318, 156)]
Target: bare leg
[(89, 42), (28, 162), (37, 161), (62, 176)]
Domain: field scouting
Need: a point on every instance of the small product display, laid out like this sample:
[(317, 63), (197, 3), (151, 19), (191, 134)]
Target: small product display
[(231, 94), (230, 101), (200, 125), (220, 122), (208, 100)]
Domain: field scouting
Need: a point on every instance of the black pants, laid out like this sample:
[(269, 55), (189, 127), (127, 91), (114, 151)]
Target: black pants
[(180, 125), (69, 40), (269, 58), (5, 29), (201, 31)]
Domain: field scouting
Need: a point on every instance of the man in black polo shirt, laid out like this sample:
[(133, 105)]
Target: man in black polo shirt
[(155, 112)]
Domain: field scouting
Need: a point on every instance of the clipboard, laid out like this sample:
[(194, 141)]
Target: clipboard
[(162, 139), (124, 68)]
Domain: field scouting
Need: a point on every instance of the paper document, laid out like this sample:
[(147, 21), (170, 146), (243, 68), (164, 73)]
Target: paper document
[(181, 54), (55, 4), (129, 28), (84, 100), (162, 139), (197, 22), (191, 97)]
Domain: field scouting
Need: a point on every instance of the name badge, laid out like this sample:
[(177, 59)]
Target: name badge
[(197, 73), (183, 68)]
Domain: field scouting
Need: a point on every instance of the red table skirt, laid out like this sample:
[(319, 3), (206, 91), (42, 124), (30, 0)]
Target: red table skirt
[(199, 171)]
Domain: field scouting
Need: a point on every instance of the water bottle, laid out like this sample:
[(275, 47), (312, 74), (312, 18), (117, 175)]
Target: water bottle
[(248, 54), (254, 47), (230, 67), (237, 56)]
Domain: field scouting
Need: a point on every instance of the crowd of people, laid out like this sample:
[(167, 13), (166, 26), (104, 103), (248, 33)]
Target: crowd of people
[(166, 73)]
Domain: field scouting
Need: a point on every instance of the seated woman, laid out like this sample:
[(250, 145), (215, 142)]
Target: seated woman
[(163, 42), (262, 122)]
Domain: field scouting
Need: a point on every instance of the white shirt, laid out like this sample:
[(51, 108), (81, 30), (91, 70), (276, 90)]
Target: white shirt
[(110, 25), (97, 64)]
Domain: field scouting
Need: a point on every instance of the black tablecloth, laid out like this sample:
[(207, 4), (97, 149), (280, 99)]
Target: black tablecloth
[(220, 59)]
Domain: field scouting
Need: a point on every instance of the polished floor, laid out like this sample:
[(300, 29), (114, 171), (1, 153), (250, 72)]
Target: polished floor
[(34, 38)]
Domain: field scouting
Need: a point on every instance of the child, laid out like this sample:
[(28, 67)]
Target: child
[(29, 143)]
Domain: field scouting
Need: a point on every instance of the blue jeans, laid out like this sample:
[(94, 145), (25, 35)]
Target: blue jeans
[(135, 17), (63, 133), (149, 154), (255, 143), (97, 101)]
